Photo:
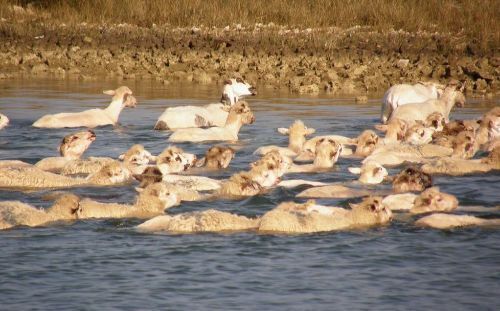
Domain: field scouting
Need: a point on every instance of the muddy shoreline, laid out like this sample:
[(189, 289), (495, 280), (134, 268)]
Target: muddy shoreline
[(344, 61)]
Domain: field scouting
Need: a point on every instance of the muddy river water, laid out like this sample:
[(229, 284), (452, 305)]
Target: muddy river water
[(106, 264)]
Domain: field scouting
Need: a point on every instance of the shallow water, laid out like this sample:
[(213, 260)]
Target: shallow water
[(105, 264)]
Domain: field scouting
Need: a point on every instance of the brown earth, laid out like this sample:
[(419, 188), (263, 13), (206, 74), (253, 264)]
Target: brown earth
[(355, 60)]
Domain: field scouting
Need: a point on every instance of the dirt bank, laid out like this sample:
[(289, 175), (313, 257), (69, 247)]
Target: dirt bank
[(354, 60)]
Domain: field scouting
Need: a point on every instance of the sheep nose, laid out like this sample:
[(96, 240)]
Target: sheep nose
[(253, 91)]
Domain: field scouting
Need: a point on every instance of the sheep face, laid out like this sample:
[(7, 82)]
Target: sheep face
[(374, 208), (174, 160), (4, 121), (418, 134), (274, 158), (411, 179), (432, 200), (160, 192), (366, 143), (137, 155), (234, 89), (66, 207), (124, 94), (266, 175), (464, 145), (327, 152), (219, 157), (243, 110), (436, 121), (112, 173), (242, 88), (74, 145), (150, 176), (297, 133)]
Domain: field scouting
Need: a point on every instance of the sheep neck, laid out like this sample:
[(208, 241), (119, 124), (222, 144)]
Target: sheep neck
[(114, 109), (448, 98), (296, 142), (233, 123), (323, 160)]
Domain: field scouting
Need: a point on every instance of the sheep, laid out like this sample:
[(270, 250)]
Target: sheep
[(256, 180), (297, 133), (457, 166), (447, 221), (15, 213), (291, 217), (428, 201), (122, 97), (197, 222), (397, 154), (411, 179), (420, 111), (31, 177), (216, 157), (153, 175), (395, 130), (136, 158), (371, 173), (402, 94), (419, 134), (333, 191), (489, 127), (239, 115), (364, 145), (211, 115), (152, 201), (174, 160), (71, 148), (327, 154), (433, 200), (4, 121)]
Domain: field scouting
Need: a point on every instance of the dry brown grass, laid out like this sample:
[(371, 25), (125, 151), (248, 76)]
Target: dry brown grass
[(477, 20)]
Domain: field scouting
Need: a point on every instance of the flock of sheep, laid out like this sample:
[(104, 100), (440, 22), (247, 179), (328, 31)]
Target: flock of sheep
[(418, 136)]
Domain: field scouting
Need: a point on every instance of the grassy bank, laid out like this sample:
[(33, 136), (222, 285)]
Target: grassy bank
[(476, 20)]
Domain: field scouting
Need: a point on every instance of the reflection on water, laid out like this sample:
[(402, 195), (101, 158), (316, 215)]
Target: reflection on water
[(103, 264)]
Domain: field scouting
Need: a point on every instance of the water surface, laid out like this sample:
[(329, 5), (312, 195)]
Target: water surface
[(105, 264)]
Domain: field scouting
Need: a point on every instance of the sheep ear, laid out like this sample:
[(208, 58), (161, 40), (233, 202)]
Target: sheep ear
[(353, 206), (354, 170), (121, 156), (310, 131), (381, 127), (109, 92), (139, 189), (283, 130)]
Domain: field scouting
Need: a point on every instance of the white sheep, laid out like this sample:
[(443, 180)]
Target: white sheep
[(447, 221), (31, 177), (197, 222), (71, 148), (151, 201), (4, 121), (297, 133), (239, 115), (205, 116), (122, 97), (291, 217), (412, 112), (402, 94)]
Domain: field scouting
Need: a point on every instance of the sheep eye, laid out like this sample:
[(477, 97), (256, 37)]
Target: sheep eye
[(373, 207), (177, 158)]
